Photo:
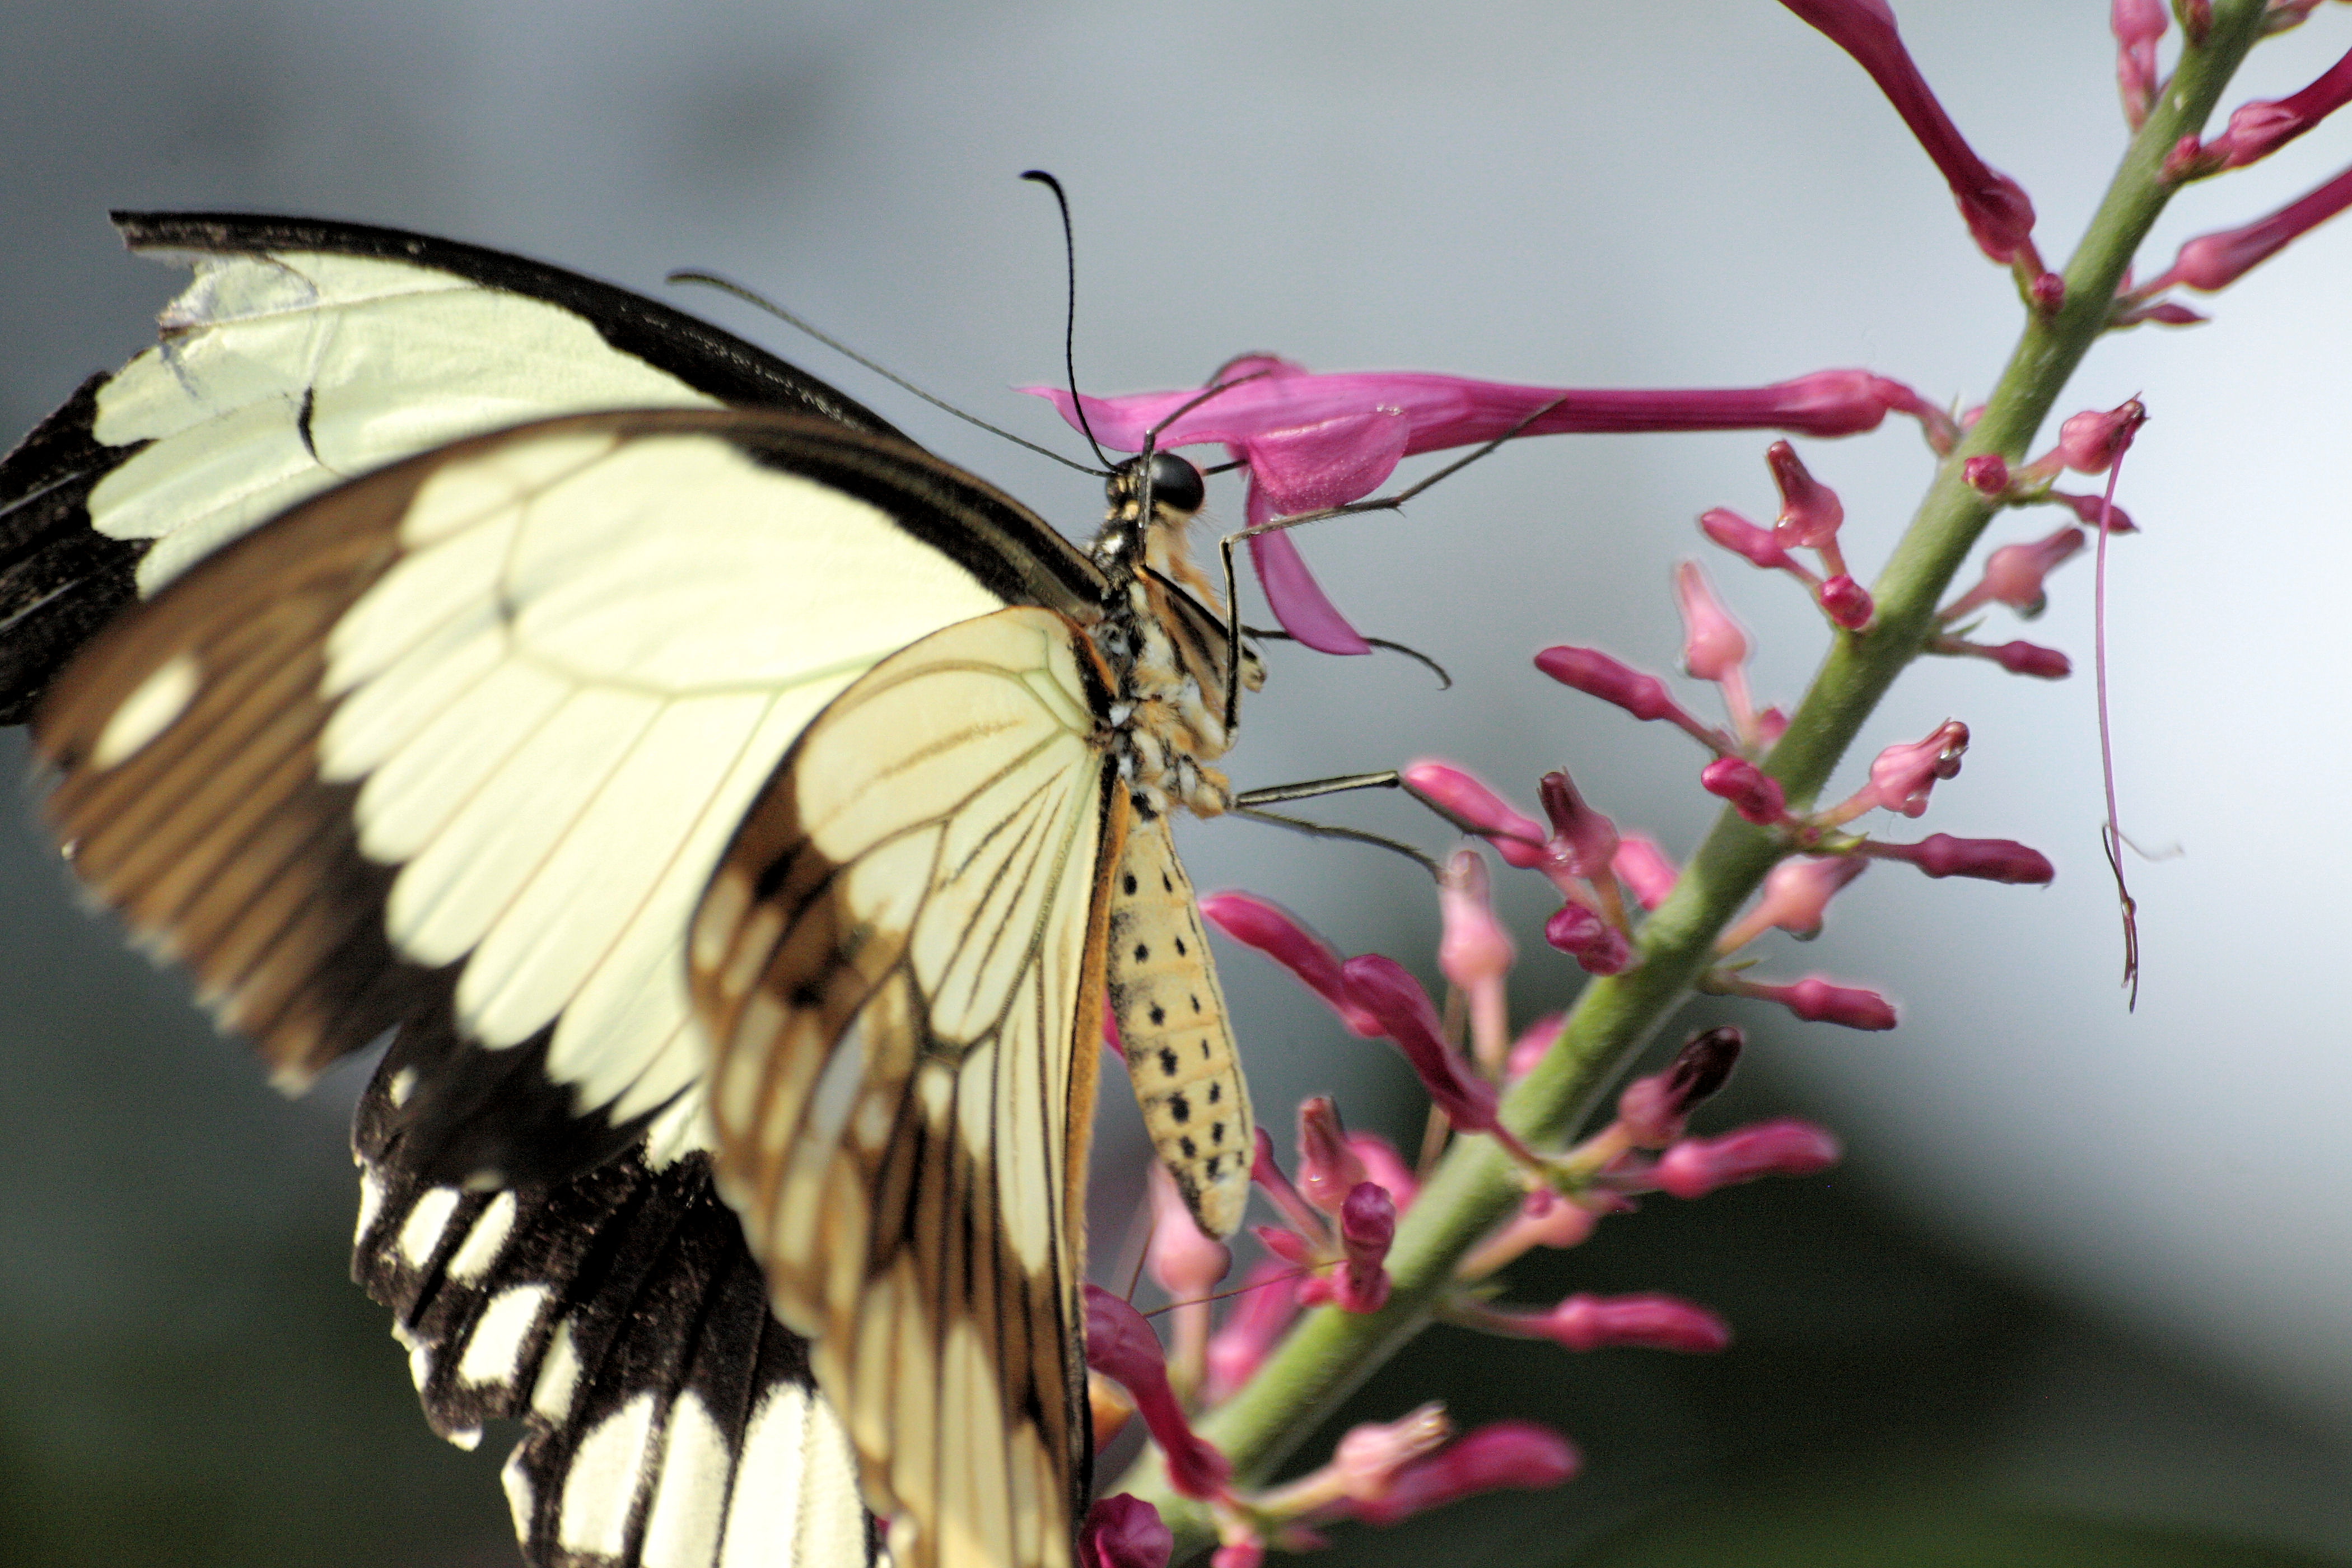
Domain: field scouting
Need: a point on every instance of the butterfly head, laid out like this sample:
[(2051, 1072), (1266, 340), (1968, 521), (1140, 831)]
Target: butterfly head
[(1133, 538)]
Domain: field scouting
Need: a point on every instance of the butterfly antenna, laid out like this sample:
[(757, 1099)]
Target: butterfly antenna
[(1444, 681), (729, 286), (1070, 315)]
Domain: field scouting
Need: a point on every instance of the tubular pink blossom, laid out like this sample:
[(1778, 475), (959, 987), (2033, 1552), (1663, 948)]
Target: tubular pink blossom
[(2048, 291), (1329, 1169), (2021, 658), (1386, 991), (1473, 808), (2089, 508), (1246, 1551), (1266, 1171), (1753, 792), (1366, 1460), (1122, 1346), (1741, 537), (1515, 1454), (1796, 898), (2139, 24), (2214, 262), (1282, 936), (2257, 129), (1475, 949), (1642, 866), (1657, 1322), (1902, 775), (1366, 1229), (1999, 216), (1383, 1164), (1584, 840), (1652, 1110), (2090, 442), (1987, 859), (1124, 1532), (1181, 1260), (1697, 1166), (2013, 574), (1987, 473), (1263, 1308), (1846, 603), (1772, 725), (1596, 674), (1595, 944), (1817, 1001), (1811, 512), (1714, 647)]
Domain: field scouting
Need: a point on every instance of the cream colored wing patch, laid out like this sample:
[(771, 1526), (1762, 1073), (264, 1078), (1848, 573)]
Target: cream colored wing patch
[(1172, 1026), (895, 964)]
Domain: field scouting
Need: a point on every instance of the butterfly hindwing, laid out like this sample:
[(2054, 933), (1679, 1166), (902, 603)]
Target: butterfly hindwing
[(670, 1421), (899, 961)]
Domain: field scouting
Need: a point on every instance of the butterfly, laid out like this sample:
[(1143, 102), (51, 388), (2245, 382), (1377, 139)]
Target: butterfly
[(736, 819)]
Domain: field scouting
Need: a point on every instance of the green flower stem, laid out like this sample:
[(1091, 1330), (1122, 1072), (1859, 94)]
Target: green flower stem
[(1475, 1187)]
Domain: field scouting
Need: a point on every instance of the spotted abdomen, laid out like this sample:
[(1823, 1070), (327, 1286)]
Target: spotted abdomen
[(1172, 1020)]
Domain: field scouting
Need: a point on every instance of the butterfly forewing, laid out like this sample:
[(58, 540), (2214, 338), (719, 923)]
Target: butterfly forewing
[(898, 960)]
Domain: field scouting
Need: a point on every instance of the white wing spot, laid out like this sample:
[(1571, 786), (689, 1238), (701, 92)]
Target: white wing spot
[(559, 1373), (690, 1503), (494, 1349), (606, 1471), (403, 1085), (148, 711), (371, 1206), (485, 1241), (420, 1233)]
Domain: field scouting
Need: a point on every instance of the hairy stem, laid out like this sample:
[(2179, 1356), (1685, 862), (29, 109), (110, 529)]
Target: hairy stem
[(1329, 1353)]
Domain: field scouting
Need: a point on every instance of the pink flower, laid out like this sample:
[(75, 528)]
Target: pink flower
[(1988, 859), (1471, 806), (2090, 442), (2016, 656), (1475, 949), (1515, 1454), (1741, 537), (1282, 936), (1846, 603), (1267, 1173), (2257, 129), (1655, 1322), (1901, 775), (1122, 1346), (2139, 24), (1817, 1001), (1529, 1047), (1697, 1166), (1754, 794), (2089, 508), (1714, 647), (1811, 514), (1583, 841), (1595, 674), (2013, 575), (1182, 1261), (1797, 894), (2214, 262), (1314, 441), (1642, 866), (1388, 993), (1987, 473), (1999, 216), (1652, 1110), (1366, 1229), (1329, 1167), (1124, 1532), (1383, 1164), (1366, 1461), (1595, 944)]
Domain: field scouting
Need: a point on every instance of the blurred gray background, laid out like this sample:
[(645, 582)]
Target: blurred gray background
[(2084, 1264)]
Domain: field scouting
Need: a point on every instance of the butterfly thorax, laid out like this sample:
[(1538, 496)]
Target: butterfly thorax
[(1170, 669)]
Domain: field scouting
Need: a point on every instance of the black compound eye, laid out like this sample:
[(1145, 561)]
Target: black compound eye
[(1176, 484)]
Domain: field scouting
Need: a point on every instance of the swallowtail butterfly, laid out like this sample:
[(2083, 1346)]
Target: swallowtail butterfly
[(736, 817)]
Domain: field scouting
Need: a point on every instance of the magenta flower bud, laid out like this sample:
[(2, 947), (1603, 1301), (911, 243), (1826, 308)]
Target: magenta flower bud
[(1366, 1460), (1122, 1346), (1327, 1168), (1817, 1001), (1655, 1323), (1386, 991), (1987, 473), (1713, 648), (2030, 658), (1366, 1229), (1987, 859), (2090, 508), (2013, 574), (2216, 261), (2090, 442), (1846, 603), (1753, 792), (1901, 775), (1811, 512), (1999, 216), (1383, 1164), (1642, 866), (1772, 725), (1262, 1311), (1475, 950), (1515, 1454), (2164, 313), (1248, 1551), (2139, 24), (1697, 1166), (2048, 292), (1584, 839), (1741, 537), (1182, 1261), (1529, 1047), (1652, 1110), (1599, 947), (1124, 1532), (1282, 936), (1596, 674), (2258, 130), (1471, 806)]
